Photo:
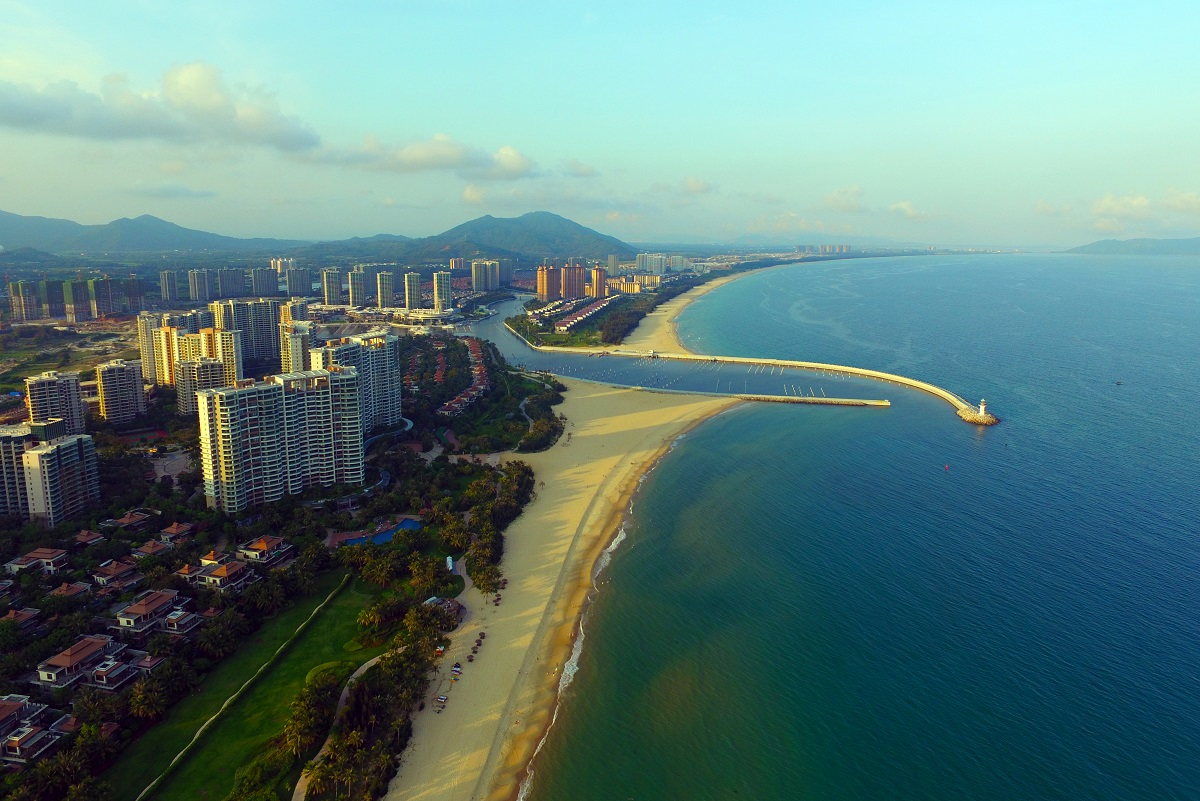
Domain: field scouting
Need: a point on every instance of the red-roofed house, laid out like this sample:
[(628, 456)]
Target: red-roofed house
[(265, 551), (87, 538), (151, 548), (48, 560), (67, 668), (26, 619), (146, 612), (176, 533), (117, 574), (76, 590)]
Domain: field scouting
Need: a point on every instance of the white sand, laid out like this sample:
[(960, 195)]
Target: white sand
[(479, 745), (657, 330)]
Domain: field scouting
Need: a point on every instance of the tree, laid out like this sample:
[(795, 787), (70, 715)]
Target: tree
[(147, 700)]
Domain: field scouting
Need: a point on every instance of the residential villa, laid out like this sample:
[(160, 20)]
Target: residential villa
[(24, 738), (75, 590), (79, 662), (117, 575), (151, 548), (86, 538), (48, 560), (154, 611), (270, 552), (176, 533), (218, 572), (25, 619)]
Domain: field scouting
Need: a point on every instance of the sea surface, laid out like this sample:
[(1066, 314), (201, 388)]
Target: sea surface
[(861, 603)]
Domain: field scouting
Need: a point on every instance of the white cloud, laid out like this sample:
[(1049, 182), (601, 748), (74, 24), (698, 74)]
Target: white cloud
[(473, 195), (907, 210), (848, 200), (192, 105), (1182, 202), (577, 169), (1126, 207), (787, 222), (1044, 209), (440, 152), (173, 192), (694, 186)]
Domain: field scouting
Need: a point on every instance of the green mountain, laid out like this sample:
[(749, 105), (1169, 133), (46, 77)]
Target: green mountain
[(141, 234), (1141, 247), (536, 234)]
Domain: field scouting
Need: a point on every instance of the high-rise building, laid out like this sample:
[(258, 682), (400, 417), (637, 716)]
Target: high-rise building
[(50, 294), (281, 266), (174, 345), (574, 281), (61, 479), (376, 357), (299, 282), (54, 395), (201, 286), (295, 342), (357, 280), (193, 375), (383, 290), (168, 286), (264, 282), (262, 440), (506, 272), (23, 301), (599, 282), (78, 302), (122, 398), (147, 324), (549, 286), (614, 264), (331, 287), (412, 290), (458, 264), (293, 311), (101, 297), (135, 294), (485, 276), (166, 353), (258, 321), (231, 282), (13, 498), (443, 298)]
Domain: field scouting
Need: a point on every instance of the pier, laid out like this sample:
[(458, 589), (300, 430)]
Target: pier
[(968, 412)]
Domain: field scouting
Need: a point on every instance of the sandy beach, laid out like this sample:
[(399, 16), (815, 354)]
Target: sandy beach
[(479, 746), (657, 330)]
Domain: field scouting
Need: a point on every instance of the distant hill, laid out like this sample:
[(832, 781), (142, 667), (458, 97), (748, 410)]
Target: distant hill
[(29, 257), (530, 237), (1141, 247), (144, 233)]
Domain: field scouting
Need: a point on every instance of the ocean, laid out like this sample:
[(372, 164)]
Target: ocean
[(858, 603)]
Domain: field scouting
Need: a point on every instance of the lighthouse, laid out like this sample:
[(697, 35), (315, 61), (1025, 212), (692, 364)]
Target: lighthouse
[(982, 407)]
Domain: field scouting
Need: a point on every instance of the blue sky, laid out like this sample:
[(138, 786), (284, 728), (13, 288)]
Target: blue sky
[(947, 123)]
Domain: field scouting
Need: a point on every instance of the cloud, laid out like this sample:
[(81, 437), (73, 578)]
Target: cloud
[(440, 152), (1044, 209), (1183, 202), (907, 210), (1111, 213), (848, 200), (192, 105), (173, 192), (577, 169), (473, 195), (787, 222), (694, 186), (615, 216)]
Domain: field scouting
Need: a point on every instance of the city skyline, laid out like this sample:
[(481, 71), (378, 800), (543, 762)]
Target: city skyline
[(1010, 125)]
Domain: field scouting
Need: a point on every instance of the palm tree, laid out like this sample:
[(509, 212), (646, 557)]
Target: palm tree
[(146, 700)]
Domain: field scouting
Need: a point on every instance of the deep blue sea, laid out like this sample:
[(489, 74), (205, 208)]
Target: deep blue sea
[(853, 603)]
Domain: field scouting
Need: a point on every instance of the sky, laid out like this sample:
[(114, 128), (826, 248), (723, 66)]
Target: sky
[(1001, 124)]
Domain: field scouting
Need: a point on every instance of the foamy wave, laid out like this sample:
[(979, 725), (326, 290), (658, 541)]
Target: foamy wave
[(570, 667), (606, 554)]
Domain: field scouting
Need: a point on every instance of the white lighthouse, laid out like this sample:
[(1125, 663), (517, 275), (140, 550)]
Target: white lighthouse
[(982, 407)]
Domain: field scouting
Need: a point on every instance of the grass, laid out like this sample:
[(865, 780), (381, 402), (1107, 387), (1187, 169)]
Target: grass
[(256, 717)]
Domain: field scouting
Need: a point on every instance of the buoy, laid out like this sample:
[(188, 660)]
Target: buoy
[(947, 467)]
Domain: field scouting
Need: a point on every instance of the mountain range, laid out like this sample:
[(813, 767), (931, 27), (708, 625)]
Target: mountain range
[(1141, 247), (532, 236)]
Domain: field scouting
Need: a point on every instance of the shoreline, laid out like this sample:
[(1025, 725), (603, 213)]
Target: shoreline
[(480, 745), (658, 330), (508, 779)]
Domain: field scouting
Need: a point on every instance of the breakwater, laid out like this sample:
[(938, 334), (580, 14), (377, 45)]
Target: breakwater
[(966, 411)]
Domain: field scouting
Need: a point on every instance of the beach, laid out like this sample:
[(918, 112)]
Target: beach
[(657, 329), (480, 744)]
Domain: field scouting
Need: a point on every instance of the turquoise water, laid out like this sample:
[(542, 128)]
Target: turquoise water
[(828, 603), (385, 536)]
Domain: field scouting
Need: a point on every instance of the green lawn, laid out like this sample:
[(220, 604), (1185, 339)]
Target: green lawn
[(256, 717)]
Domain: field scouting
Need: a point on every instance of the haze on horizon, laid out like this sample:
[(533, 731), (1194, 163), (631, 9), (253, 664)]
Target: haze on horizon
[(1010, 124)]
